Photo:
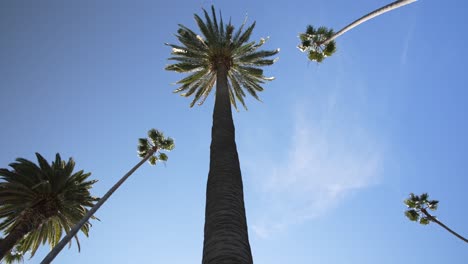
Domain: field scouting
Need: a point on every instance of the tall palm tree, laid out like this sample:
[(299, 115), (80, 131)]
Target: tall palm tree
[(224, 57), (39, 202), (417, 211), (319, 43), (148, 150)]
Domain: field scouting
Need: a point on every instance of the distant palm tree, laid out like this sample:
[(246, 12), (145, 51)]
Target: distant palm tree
[(319, 43), (227, 59), (417, 211), (39, 202), (148, 150)]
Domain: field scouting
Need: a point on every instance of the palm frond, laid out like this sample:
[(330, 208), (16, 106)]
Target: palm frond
[(191, 78), (207, 91), (255, 56)]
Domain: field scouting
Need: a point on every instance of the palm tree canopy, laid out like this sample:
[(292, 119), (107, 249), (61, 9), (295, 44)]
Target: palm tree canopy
[(49, 198), (314, 42), (417, 204), (155, 141), (220, 44)]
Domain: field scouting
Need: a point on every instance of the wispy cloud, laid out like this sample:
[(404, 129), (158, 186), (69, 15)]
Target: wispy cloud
[(327, 159), (406, 44)]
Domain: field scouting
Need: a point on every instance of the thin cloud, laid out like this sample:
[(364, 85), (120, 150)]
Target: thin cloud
[(325, 162), (406, 44)]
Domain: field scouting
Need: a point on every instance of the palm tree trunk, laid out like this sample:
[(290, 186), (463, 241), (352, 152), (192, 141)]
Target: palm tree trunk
[(226, 237), (377, 12), (12, 239), (432, 218), (56, 250)]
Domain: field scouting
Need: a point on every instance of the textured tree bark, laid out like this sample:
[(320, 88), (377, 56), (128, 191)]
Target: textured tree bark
[(226, 237), (10, 241), (428, 215), (377, 12)]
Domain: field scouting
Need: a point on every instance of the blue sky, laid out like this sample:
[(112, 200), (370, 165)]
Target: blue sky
[(327, 157)]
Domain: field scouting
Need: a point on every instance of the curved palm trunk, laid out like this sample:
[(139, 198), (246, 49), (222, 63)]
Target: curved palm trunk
[(377, 12), (442, 225), (226, 238), (12, 239), (56, 250)]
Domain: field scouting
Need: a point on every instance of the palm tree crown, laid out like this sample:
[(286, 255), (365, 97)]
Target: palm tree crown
[(417, 212), (38, 202), (153, 145), (314, 42), (417, 205), (201, 56)]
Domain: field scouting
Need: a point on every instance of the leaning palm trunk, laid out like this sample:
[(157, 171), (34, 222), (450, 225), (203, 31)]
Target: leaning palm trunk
[(226, 237), (56, 250), (433, 219), (319, 43), (147, 150), (378, 12)]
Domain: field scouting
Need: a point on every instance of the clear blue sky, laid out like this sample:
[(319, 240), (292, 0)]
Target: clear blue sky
[(327, 157)]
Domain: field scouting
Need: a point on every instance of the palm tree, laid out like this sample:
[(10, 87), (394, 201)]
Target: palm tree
[(39, 202), (148, 150), (417, 211), (319, 43), (226, 58)]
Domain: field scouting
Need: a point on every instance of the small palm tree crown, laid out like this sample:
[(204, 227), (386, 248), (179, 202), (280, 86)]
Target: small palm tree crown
[(44, 199), (153, 145), (220, 44), (418, 206), (314, 42)]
